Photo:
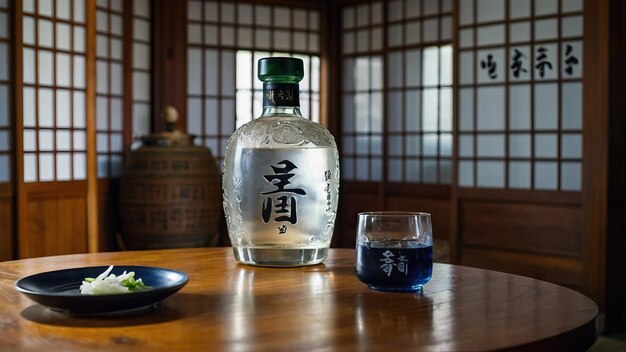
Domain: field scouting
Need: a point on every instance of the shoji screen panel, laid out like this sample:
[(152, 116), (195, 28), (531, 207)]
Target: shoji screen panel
[(123, 98), (224, 42), (109, 87), (83, 92), (141, 68), (520, 136), (363, 92), (520, 94), (419, 97), (53, 195), (396, 109), (123, 45), (5, 94), (54, 88), (6, 135), (413, 128)]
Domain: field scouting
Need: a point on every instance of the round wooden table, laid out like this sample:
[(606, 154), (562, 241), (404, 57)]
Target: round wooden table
[(230, 306)]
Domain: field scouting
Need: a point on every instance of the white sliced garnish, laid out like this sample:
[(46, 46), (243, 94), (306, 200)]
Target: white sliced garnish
[(106, 284)]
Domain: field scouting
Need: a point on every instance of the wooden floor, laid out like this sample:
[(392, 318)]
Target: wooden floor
[(614, 343)]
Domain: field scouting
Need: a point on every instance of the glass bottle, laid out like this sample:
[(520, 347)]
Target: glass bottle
[(281, 177)]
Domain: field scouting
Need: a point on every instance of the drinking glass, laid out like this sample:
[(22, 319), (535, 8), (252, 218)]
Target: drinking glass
[(394, 250)]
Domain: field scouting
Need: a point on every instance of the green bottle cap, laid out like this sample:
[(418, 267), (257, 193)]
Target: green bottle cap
[(281, 69)]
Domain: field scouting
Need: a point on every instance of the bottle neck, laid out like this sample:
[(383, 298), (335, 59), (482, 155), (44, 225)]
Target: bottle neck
[(281, 110), (281, 95)]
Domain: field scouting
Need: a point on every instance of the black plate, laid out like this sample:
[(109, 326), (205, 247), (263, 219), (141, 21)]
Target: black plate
[(59, 289)]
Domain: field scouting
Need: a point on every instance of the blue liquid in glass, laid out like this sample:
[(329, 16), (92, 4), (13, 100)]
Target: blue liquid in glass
[(394, 265)]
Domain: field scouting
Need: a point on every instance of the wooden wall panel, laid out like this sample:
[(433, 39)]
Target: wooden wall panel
[(536, 228), (56, 226), (108, 222), (6, 228), (439, 210), (356, 198), (595, 146), (71, 236), (108, 214), (349, 207), (169, 61), (559, 270)]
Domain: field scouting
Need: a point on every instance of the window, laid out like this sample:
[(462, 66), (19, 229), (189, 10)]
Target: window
[(224, 42), (109, 87), (5, 96), (397, 92), (141, 69), (54, 90), (114, 128)]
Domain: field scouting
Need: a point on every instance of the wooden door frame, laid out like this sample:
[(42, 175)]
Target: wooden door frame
[(93, 237), (615, 264), (596, 78), (51, 189), (20, 199)]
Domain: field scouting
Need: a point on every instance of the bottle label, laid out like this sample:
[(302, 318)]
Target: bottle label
[(281, 94), (280, 198), (286, 196)]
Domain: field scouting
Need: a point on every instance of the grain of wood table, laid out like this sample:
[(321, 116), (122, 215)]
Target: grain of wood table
[(228, 306)]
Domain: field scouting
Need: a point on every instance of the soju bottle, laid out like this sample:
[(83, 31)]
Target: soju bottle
[(281, 177)]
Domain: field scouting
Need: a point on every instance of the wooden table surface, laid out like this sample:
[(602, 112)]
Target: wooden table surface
[(234, 307)]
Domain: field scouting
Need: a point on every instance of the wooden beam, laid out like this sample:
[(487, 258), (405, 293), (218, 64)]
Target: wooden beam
[(93, 238), (616, 237), (169, 39), (595, 148), (19, 128), (127, 50), (454, 181), (10, 190), (329, 70)]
